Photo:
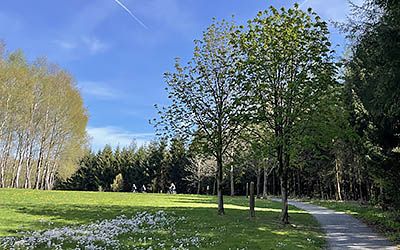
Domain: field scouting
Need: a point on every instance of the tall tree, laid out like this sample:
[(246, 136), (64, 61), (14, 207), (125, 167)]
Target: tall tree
[(206, 96), (372, 78), (43, 121), (290, 68)]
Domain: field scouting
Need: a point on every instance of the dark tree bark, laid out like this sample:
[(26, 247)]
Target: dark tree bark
[(221, 210)]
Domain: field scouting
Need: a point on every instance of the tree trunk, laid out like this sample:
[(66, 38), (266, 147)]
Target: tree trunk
[(338, 181), (284, 184), (321, 189), (198, 187), (298, 184), (21, 158), (232, 183), (215, 186), (265, 186), (285, 206), (258, 182), (359, 179), (16, 165), (30, 144), (7, 145), (3, 164), (221, 210), (28, 168), (39, 164), (43, 177), (273, 183), (252, 200)]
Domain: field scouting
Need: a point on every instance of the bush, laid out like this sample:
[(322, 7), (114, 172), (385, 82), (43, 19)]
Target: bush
[(118, 183)]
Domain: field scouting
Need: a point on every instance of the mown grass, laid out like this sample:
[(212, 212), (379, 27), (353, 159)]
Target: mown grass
[(27, 210), (385, 222)]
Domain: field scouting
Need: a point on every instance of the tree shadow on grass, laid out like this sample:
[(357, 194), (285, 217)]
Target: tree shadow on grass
[(235, 229)]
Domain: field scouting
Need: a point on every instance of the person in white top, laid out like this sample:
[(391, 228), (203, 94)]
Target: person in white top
[(172, 189)]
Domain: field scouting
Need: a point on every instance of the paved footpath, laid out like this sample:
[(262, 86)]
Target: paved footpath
[(343, 231)]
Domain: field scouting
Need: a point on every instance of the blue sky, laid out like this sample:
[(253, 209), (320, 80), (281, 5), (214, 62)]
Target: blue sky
[(117, 61)]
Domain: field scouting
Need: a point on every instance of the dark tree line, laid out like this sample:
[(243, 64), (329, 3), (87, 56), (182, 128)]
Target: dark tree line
[(155, 166)]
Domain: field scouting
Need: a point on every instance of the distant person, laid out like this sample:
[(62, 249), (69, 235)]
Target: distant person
[(172, 189), (208, 189), (144, 189), (134, 188)]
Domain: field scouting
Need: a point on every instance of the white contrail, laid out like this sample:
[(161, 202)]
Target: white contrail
[(131, 14), (304, 2)]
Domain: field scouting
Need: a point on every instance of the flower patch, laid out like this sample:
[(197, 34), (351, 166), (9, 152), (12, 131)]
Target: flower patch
[(145, 230)]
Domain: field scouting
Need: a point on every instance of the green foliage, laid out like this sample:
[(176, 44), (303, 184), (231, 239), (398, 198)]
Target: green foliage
[(290, 72), (156, 166), (372, 79), (207, 96)]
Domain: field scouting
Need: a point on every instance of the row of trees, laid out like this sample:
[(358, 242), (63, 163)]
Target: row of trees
[(157, 165), (269, 103), (373, 92), (262, 86), (42, 122), (270, 95)]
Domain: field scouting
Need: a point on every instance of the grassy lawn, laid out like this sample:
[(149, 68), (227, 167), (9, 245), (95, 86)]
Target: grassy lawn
[(386, 222), (30, 210)]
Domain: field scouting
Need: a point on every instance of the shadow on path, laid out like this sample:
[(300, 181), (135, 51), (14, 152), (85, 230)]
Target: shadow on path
[(343, 231)]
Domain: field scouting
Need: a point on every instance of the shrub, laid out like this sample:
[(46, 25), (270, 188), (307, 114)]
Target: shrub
[(118, 183)]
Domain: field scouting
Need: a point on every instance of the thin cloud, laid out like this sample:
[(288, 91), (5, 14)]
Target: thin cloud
[(65, 44), (115, 136), (94, 45), (83, 44), (131, 14), (98, 90)]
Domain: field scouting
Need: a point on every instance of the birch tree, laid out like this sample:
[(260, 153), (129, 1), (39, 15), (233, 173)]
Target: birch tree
[(43, 121)]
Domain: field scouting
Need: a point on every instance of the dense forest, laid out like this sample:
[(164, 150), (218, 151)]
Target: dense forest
[(268, 102), (42, 122)]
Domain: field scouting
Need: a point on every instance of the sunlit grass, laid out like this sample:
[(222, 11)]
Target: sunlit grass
[(26, 210)]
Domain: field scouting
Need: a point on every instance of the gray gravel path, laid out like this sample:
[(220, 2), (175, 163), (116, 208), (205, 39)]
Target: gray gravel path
[(344, 231)]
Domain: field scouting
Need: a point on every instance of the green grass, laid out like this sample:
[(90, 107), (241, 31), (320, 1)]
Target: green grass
[(27, 210), (385, 222)]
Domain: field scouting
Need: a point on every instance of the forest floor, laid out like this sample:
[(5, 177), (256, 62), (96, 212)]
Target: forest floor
[(343, 231), (66, 219)]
